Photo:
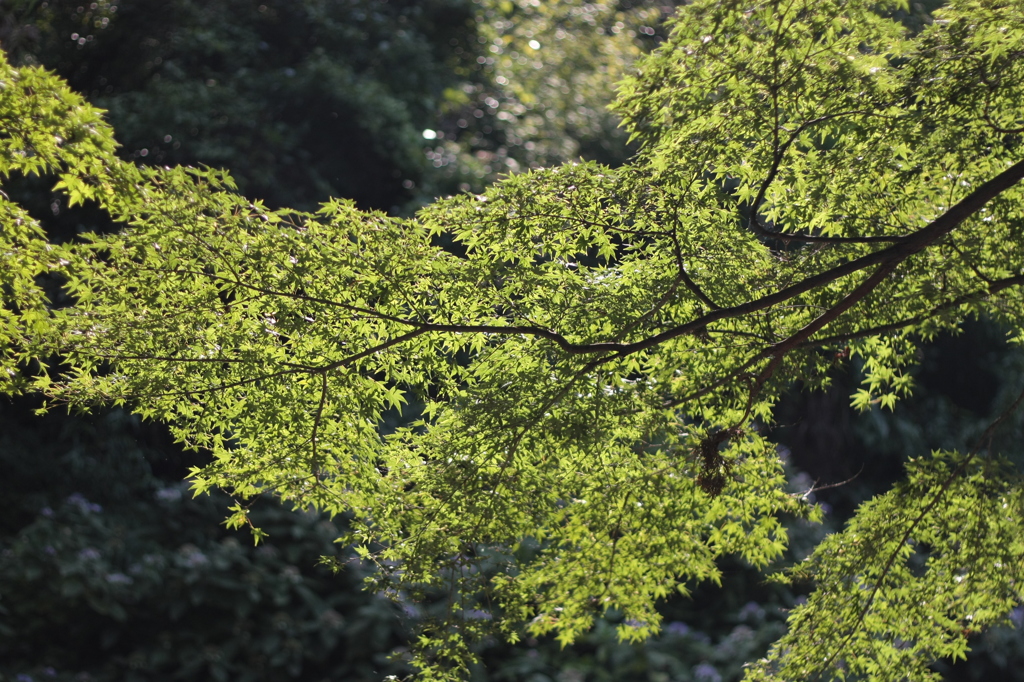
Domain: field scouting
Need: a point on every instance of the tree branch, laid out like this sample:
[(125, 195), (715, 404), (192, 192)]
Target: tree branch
[(994, 287), (780, 152), (913, 244)]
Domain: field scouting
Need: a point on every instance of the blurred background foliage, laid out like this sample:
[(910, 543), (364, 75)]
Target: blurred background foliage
[(110, 570), (301, 99), (538, 83)]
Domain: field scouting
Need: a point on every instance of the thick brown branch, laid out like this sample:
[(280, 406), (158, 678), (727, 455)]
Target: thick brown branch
[(993, 288), (890, 257), (914, 243), (850, 300), (778, 351)]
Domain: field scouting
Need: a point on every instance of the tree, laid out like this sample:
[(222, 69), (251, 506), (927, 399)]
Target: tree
[(592, 363), (115, 630)]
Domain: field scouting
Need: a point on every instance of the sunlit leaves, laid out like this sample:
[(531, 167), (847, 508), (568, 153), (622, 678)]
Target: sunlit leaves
[(917, 571), (44, 126)]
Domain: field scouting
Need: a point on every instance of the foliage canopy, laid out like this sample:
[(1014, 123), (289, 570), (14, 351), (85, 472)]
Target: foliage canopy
[(587, 371)]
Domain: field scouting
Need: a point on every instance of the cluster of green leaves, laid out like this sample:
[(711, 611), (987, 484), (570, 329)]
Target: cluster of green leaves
[(43, 128), (916, 571), (604, 344)]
